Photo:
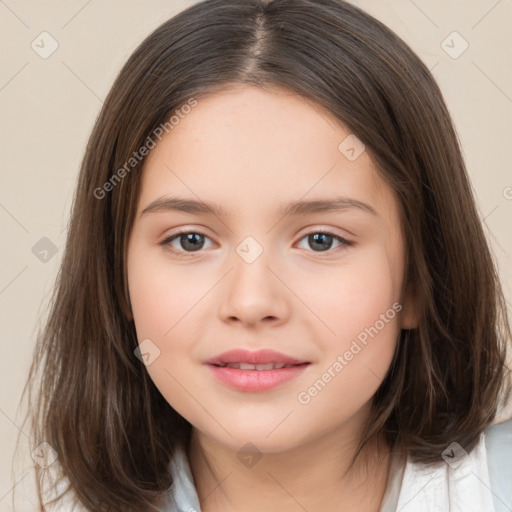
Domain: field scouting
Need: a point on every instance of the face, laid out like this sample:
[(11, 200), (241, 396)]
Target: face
[(321, 285)]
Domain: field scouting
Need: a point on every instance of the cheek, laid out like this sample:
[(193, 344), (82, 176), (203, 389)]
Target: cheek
[(352, 369), (166, 303), (359, 307), (350, 297), (162, 294)]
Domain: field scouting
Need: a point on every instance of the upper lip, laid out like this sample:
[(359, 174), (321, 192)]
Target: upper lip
[(253, 357)]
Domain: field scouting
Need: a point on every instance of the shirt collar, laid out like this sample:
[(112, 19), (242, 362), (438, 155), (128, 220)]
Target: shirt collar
[(460, 483)]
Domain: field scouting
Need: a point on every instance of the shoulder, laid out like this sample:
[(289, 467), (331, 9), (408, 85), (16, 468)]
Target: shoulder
[(474, 481), (498, 442)]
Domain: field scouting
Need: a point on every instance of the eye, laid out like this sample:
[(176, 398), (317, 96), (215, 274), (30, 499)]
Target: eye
[(323, 240), (190, 241), (194, 241)]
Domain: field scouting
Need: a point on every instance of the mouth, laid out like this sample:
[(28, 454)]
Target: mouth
[(263, 359), (255, 371), (257, 367), (256, 378)]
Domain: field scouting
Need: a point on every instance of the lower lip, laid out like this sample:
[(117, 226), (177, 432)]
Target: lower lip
[(256, 380)]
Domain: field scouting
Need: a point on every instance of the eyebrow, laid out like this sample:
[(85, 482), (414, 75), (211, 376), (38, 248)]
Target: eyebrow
[(295, 208)]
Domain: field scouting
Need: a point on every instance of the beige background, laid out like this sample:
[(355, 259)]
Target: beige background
[(48, 107)]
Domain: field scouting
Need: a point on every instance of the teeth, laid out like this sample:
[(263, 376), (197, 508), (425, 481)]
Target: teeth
[(248, 366)]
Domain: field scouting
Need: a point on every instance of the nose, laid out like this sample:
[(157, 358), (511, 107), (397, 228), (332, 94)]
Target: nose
[(253, 294)]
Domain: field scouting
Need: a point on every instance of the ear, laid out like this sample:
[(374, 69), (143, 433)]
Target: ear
[(410, 314), (128, 315)]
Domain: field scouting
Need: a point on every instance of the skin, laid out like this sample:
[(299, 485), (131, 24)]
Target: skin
[(251, 151)]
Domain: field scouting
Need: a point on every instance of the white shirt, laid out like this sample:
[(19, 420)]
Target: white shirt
[(461, 482)]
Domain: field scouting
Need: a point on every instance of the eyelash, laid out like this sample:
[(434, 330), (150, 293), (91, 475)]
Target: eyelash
[(166, 241)]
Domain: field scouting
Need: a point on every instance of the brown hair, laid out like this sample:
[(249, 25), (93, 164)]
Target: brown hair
[(91, 398)]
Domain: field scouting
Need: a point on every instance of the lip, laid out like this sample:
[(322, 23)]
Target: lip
[(264, 356), (255, 380)]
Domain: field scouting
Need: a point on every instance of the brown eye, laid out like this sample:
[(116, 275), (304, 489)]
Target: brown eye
[(322, 241), (187, 242)]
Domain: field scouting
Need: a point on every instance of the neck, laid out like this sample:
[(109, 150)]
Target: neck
[(315, 475)]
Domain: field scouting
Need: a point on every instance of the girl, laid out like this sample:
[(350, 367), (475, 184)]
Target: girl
[(276, 292)]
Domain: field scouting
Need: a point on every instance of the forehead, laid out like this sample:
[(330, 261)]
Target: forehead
[(250, 148)]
